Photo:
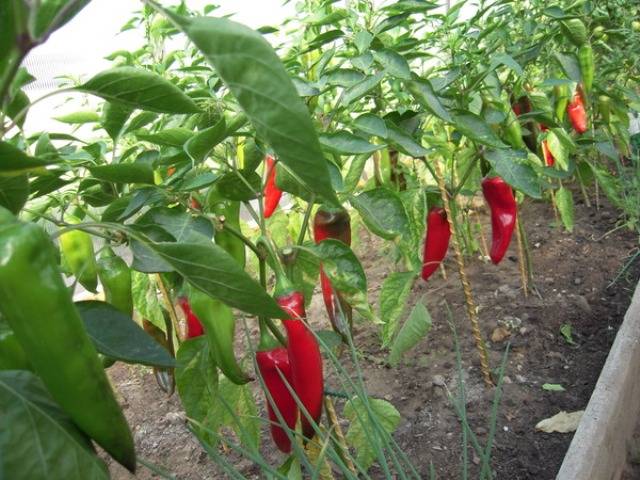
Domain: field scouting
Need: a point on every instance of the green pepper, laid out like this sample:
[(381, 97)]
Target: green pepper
[(228, 212), (219, 326), (38, 307), (561, 92), (115, 277), (587, 70), (78, 255), (12, 356), (513, 131), (604, 107)]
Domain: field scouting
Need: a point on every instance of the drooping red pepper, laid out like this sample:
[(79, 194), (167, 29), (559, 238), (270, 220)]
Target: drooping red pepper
[(502, 204), (194, 327), (334, 224), (577, 113), (437, 241), (273, 364), (271, 192)]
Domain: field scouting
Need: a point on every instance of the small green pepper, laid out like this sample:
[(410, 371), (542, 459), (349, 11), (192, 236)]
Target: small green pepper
[(78, 255), (228, 212), (115, 277)]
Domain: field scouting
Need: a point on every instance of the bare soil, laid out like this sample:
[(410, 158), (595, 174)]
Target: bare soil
[(572, 274)]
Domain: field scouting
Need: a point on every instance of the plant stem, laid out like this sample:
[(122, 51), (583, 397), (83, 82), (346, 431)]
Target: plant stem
[(521, 259), (168, 304), (236, 233), (305, 221), (342, 443)]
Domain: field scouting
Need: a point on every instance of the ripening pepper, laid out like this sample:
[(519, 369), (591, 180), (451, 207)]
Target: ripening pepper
[(38, 307), (194, 326), (219, 326), (273, 364), (577, 114), (335, 224), (502, 204), (271, 192), (437, 241), (115, 277), (587, 69), (78, 255), (549, 160)]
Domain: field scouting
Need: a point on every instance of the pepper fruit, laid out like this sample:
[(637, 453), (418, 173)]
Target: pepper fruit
[(549, 160), (437, 241), (302, 347), (78, 254), (513, 131), (52, 334), (577, 114), (502, 204), (220, 327), (12, 355), (335, 224), (194, 326), (587, 69), (561, 93), (273, 364), (115, 277), (228, 212), (271, 192)]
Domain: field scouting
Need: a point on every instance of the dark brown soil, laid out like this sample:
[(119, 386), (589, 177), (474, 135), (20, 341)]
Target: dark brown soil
[(571, 275)]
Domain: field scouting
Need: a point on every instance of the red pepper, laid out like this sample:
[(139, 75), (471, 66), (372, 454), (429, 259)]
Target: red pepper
[(272, 193), (273, 364), (335, 224), (502, 203), (194, 327), (195, 203), (549, 160), (517, 109), (577, 113), (437, 241)]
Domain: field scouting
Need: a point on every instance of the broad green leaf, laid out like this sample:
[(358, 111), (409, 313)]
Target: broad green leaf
[(17, 106), (382, 212), (343, 77), (364, 424), (14, 192), (200, 145), (124, 173), (393, 298), (569, 65), (50, 15), (404, 142), (608, 149), (39, 441), (248, 65), (476, 129), (512, 167), (414, 329), (146, 300), (332, 18), (423, 92), (139, 88), (393, 63), (347, 276), (305, 271), (14, 161), (233, 187), (564, 202), (114, 116), (79, 117), (170, 137), (139, 121), (116, 335), (371, 124), (356, 167), (507, 60), (346, 143), (360, 89), (561, 146)]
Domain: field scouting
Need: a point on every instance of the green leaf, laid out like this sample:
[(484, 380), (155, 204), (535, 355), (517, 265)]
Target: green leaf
[(50, 15), (170, 137), (423, 92), (567, 332), (476, 129), (116, 335), (346, 143), (511, 166), (200, 145), (79, 117), (14, 192), (507, 60), (360, 89), (404, 142), (18, 102), (139, 88), (343, 77), (364, 423), (393, 63), (14, 161), (114, 116), (553, 387), (382, 212), (139, 121), (393, 298), (39, 441), (356, 167), (232, 187), (248, 65), (564, 202), (145, 299), (124, 173), (371, 124), (569, 65), (414, 329)]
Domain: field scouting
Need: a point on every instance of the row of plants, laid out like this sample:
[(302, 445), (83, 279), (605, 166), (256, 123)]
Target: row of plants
[(226, 179)]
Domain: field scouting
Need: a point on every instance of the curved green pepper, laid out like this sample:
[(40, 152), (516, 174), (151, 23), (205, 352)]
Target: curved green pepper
[(228, 212), (54, 339), (513, 131), (587, 69), (78, 254), (219, 326), (115, 277), (561, 93)]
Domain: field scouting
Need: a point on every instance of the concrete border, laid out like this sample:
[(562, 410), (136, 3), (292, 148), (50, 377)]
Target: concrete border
[(599, 447)]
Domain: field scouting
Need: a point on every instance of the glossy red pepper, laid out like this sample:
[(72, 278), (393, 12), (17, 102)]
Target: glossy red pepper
[(194, 327), (334, 224), (577, 113), (273, 364), (502, 204), (271, 192), (437, 241), (549, 160)]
